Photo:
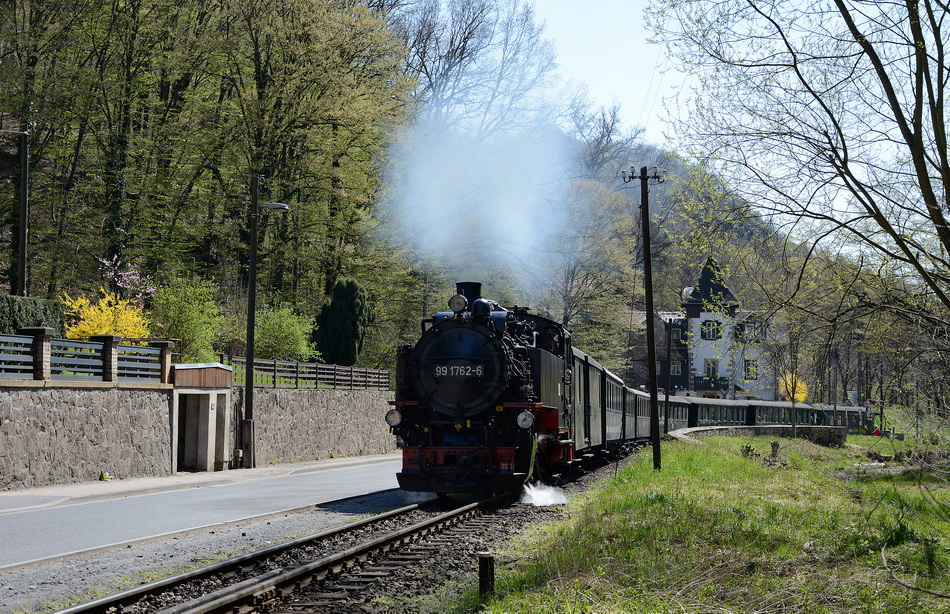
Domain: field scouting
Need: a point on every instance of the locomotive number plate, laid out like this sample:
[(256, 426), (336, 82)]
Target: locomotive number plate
[(458, 371)]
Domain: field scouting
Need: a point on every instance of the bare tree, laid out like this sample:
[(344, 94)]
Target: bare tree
[(829, 116), (480, 63)]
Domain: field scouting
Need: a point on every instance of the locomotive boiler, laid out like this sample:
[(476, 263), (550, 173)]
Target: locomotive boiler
[(483, 399)]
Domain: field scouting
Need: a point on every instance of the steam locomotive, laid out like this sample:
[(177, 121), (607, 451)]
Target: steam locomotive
[(487, 398), (491, 397)]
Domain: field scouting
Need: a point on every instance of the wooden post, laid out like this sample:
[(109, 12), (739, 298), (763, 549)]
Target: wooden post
[(486, 573)]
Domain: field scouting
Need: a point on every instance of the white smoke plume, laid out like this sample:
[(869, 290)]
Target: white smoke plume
[(479, 205), (476, 181)]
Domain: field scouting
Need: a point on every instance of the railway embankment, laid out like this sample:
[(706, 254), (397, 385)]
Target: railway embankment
[(740, 525)]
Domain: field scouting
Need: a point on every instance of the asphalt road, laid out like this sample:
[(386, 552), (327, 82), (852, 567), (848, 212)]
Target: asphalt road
[(91, 521)]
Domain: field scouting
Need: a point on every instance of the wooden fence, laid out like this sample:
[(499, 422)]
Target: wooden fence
[(35, 355), (293, 374)]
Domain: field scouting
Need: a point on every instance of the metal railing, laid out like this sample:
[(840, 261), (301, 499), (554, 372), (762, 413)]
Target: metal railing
[(710, 383), (40, 357), (76, 360), (293, 374), (137, 363), (16, 357)]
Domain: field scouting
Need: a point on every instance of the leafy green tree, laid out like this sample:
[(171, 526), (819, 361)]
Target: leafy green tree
[(185, 309), (281, 334), (148, 118), (341, 325)]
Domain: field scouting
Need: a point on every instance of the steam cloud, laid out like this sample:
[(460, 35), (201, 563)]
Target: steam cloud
[(479, 205), (542, 495)]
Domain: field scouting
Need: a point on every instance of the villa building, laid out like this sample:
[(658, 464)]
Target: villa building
[(712, 348)]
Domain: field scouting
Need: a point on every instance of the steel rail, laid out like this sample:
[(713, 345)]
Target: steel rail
[(133, 595), (249, 595)]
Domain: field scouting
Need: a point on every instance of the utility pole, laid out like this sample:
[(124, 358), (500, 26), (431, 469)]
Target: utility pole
[(249, 459), (648, 293)]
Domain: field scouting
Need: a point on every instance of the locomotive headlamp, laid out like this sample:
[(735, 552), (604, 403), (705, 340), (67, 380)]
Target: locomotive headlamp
[(393, 417), (458, 303), (525, 419)]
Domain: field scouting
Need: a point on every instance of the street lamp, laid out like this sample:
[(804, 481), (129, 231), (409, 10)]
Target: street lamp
[(648, 295), (19, 287), (254, 214)]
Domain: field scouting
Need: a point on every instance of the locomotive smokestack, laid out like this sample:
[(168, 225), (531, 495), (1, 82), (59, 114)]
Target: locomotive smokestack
[(471, 290)]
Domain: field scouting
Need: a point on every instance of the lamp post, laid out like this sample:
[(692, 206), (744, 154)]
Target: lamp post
[(19, 286), (254, 214), (648, 295)]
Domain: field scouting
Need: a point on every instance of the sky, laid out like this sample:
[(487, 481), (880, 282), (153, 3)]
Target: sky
[(602, 43)]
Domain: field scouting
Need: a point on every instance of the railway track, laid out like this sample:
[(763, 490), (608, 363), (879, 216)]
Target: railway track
[(263, 579)]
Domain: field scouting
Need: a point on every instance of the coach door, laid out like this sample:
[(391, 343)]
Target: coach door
[(581, 406)]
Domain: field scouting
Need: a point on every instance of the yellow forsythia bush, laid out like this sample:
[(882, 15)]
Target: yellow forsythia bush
[(110, 315), (790, 385)]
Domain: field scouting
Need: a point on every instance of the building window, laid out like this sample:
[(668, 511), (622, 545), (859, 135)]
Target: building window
[(676, 368), (751, 369), (751, 330), (711, 329), (676, 333), (711, 368)]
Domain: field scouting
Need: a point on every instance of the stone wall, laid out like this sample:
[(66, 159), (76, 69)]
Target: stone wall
[(61, 435), (305, 425)]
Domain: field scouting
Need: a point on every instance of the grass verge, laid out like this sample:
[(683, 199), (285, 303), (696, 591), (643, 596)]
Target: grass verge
[(728, 526)]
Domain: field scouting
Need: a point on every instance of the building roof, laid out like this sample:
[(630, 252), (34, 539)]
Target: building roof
[(711, 289)]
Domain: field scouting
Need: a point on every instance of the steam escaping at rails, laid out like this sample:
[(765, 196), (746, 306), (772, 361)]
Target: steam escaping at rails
[(542, 495)]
